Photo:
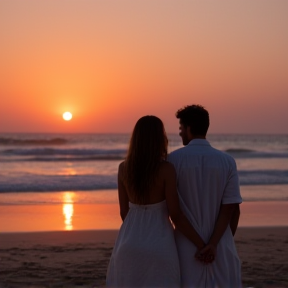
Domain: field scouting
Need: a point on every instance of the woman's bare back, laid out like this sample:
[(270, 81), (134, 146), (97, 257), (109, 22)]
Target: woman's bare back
[(157, 192)]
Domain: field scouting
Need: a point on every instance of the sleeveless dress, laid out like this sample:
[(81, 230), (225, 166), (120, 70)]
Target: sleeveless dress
[(145, 253)]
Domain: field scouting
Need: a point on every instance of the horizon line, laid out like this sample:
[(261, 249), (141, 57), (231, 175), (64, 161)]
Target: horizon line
[(123, 133)]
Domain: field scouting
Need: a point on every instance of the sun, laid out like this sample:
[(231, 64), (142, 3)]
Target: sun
[(67, 116)]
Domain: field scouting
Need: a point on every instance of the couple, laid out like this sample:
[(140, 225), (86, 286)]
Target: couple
[(197, 189)]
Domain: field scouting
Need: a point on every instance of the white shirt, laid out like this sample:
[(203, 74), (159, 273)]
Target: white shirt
[(206, 178)]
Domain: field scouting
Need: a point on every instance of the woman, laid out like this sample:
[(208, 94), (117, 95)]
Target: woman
[(145, 253)]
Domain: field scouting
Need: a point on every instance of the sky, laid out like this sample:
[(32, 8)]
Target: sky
[(110, 62)]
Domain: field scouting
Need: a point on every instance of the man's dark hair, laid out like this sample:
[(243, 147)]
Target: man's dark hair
[(196, 117)]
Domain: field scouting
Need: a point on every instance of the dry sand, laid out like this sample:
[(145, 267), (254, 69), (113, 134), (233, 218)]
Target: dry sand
[(80, 258)]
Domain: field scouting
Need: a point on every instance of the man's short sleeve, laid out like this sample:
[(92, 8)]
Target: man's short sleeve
[(232, 190)]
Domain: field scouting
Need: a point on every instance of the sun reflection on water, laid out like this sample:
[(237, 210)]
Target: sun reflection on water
[(68, 209), (67, 171)]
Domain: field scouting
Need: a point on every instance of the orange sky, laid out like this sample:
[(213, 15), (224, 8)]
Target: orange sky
[(111, 62)]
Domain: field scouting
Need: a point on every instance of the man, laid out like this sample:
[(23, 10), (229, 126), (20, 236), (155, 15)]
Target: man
[(209, 195)]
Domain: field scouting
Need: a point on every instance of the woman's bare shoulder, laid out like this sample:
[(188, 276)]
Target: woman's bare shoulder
[(121, 165), (121, 168)]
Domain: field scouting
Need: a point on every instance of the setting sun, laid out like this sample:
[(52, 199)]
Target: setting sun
[(67, 116)]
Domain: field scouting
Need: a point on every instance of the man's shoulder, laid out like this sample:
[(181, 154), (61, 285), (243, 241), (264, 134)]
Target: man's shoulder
[(223, 155), (206, 150), (176, 153)]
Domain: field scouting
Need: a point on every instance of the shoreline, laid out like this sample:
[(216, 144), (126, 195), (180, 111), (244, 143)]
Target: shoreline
[(70, 217), (80, 258), (112, 231)]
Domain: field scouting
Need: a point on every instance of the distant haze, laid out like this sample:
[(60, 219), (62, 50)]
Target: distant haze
[(111, 62)]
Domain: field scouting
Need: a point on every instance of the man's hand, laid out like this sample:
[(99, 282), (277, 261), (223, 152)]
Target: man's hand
[(207, 254)]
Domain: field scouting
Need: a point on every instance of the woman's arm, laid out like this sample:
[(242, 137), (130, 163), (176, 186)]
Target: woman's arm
[(122, 193), (178, 218)]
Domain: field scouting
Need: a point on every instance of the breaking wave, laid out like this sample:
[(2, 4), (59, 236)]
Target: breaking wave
[(13, 141), (29, 182), (52, 154)]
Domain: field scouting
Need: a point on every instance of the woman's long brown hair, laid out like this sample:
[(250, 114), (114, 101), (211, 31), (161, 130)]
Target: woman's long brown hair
[(148, 147)]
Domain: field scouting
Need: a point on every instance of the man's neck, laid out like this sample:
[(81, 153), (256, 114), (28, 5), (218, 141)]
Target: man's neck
[(197, 137)]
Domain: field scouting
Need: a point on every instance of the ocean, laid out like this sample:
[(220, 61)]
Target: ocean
[(39, 168)]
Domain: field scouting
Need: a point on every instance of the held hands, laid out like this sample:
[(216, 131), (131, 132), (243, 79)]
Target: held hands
[(207, 254)]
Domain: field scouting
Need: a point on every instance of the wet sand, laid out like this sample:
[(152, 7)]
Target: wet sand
[(26, 218), (80, 258)]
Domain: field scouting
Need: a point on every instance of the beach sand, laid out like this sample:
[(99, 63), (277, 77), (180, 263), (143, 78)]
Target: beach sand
[(80, 258)]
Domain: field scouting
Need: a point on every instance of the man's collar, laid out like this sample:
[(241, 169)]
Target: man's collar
[(199, 142)]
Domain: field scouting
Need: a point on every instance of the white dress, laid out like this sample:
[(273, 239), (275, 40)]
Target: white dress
[(145, 253)]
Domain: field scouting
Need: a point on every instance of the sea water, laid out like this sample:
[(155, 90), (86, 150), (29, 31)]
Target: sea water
[(39, 168)]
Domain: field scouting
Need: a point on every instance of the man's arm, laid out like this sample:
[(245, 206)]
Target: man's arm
[(228, 214), (223, 220), (235, 219), (208, 253)]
